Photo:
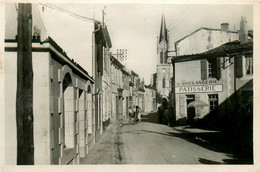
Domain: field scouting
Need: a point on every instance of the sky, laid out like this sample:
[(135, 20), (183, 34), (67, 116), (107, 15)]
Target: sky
[(135, 27)]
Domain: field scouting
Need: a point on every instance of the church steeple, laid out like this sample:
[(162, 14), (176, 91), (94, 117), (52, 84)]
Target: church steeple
[(164, 71), (163, 31)]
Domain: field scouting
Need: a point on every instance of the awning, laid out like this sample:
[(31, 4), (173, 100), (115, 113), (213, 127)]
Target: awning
[(197, 103)]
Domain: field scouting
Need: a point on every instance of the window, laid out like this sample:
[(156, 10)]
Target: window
[(161, 57), (163, 82), (213, 101), (165, 57), (68, 119), (249, 65), (209, 69)]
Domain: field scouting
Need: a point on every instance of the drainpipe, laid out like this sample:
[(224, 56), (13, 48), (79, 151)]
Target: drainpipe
[(94, 74), (173, 88)]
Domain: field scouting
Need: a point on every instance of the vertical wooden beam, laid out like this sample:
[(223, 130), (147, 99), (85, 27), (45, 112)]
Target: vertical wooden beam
[(24, 96)]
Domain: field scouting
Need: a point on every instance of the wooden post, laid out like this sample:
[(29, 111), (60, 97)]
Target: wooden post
[(24, 96)]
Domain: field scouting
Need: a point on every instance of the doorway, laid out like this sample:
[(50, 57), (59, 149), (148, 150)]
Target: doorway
[(190, 110)]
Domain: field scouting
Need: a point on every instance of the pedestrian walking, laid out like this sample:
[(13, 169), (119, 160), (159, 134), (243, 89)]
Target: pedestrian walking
[(130, 113), (160, 114), (138, 114)]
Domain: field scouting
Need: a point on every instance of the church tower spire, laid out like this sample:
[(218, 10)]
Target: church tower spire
[(162, 46), (164, 71), (163, 31)]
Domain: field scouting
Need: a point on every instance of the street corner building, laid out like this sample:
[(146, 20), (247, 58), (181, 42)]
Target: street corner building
[(64, 121), (214, 77), (72, 101)]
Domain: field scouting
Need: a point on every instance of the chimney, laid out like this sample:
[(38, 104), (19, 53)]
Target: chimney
[(224, 26), (243, 32)]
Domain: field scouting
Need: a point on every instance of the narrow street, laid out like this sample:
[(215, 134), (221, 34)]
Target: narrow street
[(150, 143)]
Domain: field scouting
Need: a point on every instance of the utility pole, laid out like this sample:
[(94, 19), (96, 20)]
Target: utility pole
[(24, 96)]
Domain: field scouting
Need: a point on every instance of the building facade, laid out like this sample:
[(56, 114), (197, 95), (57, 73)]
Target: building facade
[(150, 99), (64, 125), (67, 103), (209, 83), (102, 75), (116, 89), (126, 91)]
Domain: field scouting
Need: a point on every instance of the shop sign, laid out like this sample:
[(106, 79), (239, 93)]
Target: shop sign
[(199, 88), (202, 82)]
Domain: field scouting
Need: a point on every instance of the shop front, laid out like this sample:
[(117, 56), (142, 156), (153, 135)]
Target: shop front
[(195, 99)]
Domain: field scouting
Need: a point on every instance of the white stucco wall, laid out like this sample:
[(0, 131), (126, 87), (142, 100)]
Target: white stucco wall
[(41, 107), (199, 42), (10, 134)]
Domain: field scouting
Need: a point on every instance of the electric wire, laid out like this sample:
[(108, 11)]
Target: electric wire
[(83, 18)]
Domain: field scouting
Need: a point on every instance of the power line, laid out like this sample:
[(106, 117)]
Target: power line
[(69, 13)]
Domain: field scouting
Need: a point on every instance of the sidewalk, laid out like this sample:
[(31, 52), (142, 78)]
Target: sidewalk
[(103, 152), (106, 150)]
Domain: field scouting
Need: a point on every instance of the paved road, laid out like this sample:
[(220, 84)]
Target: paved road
[(151, 143)]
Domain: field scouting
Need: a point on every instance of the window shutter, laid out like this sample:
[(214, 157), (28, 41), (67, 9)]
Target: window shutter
[(197, 109), (214, 67), (218, 65), (182, 99), (100, 58), (239, 66), (203, 64), (197, 97)]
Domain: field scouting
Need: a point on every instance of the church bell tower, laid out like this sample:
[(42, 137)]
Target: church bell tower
[(163, 67)]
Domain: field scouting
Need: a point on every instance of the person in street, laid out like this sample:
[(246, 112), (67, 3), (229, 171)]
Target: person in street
[(130, 113), (138, 114), (160, 114)]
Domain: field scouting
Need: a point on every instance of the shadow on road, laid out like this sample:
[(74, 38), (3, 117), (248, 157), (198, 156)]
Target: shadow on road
[(145, 131), (217, 142), (206, 161), (231, 150), (151, 118)]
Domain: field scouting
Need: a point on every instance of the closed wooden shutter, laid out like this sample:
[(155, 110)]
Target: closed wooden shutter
[(213, 67), (203, 64), (182, 101), (197, 97), (239, 66), (197, 109), (218, 65)]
